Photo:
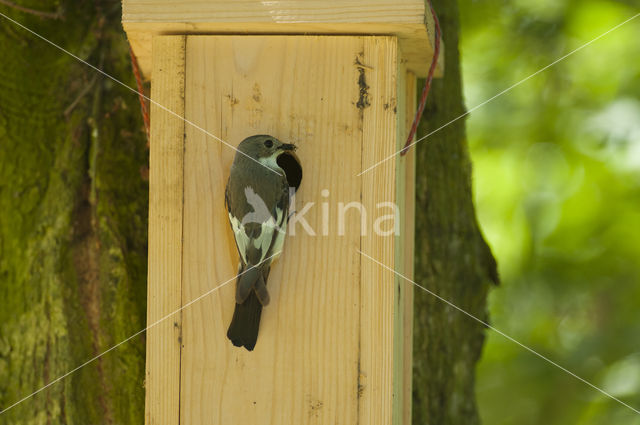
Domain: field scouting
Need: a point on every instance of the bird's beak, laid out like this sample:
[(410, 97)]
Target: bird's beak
[(288, 147)]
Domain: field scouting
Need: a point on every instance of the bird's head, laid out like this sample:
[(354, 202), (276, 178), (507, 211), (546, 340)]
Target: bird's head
[(271, 153), (264, 147)]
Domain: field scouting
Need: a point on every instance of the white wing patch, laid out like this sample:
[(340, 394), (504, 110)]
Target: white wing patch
[(279, 242), (241, 237), (263, 241), (270, 229)]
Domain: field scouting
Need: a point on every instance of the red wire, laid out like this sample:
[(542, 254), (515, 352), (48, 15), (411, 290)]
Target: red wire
[(427, 84), (143, 103)]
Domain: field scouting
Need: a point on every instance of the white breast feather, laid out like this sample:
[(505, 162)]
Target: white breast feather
[(271, 162)]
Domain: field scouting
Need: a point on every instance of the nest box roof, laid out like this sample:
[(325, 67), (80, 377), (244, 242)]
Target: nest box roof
[(409, 20)]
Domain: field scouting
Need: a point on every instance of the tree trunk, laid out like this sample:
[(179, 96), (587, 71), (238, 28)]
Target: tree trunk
[(452, 259), (73, 226)]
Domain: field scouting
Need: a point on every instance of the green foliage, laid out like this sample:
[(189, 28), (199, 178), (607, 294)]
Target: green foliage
[(557, 189)]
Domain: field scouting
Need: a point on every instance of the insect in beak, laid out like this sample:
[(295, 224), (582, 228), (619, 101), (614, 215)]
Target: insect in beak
[(288, 147)]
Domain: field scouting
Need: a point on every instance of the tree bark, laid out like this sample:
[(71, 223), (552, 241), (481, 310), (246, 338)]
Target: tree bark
[(452, 258), (73, 226)]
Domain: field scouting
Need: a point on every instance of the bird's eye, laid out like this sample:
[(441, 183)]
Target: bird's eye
[(268, 143)]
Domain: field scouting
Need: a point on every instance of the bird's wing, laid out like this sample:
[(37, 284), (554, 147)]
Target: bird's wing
[(281, 212), (256, 227), (226, 198), (269, 238), (240, 235)]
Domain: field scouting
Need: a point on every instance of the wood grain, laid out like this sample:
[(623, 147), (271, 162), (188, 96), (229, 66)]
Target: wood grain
[(406, 19), (378, 307), (408, 245), (304, 369), (165, 233), (332, 344)]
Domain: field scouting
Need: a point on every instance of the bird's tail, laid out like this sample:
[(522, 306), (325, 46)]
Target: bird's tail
[(243, 330), (251, 295)]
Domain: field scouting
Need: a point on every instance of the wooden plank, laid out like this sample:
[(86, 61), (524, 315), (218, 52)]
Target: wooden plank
[(379, 310), (307, 11), (398, 317), (407, 19), (304, 369), (405, 199), (165, 233), (408, 241)]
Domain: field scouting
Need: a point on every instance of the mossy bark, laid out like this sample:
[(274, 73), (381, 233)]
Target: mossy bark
[(73, 220), (452, 258)]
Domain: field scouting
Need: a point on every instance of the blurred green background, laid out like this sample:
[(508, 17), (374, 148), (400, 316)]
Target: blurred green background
[(557, 189)]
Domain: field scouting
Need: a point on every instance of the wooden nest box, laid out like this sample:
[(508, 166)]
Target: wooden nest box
[(338, 79)]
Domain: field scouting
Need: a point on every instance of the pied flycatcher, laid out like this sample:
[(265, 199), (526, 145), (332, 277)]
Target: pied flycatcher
[(257, 200)]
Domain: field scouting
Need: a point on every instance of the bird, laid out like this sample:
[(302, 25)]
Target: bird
[(257, 198)]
